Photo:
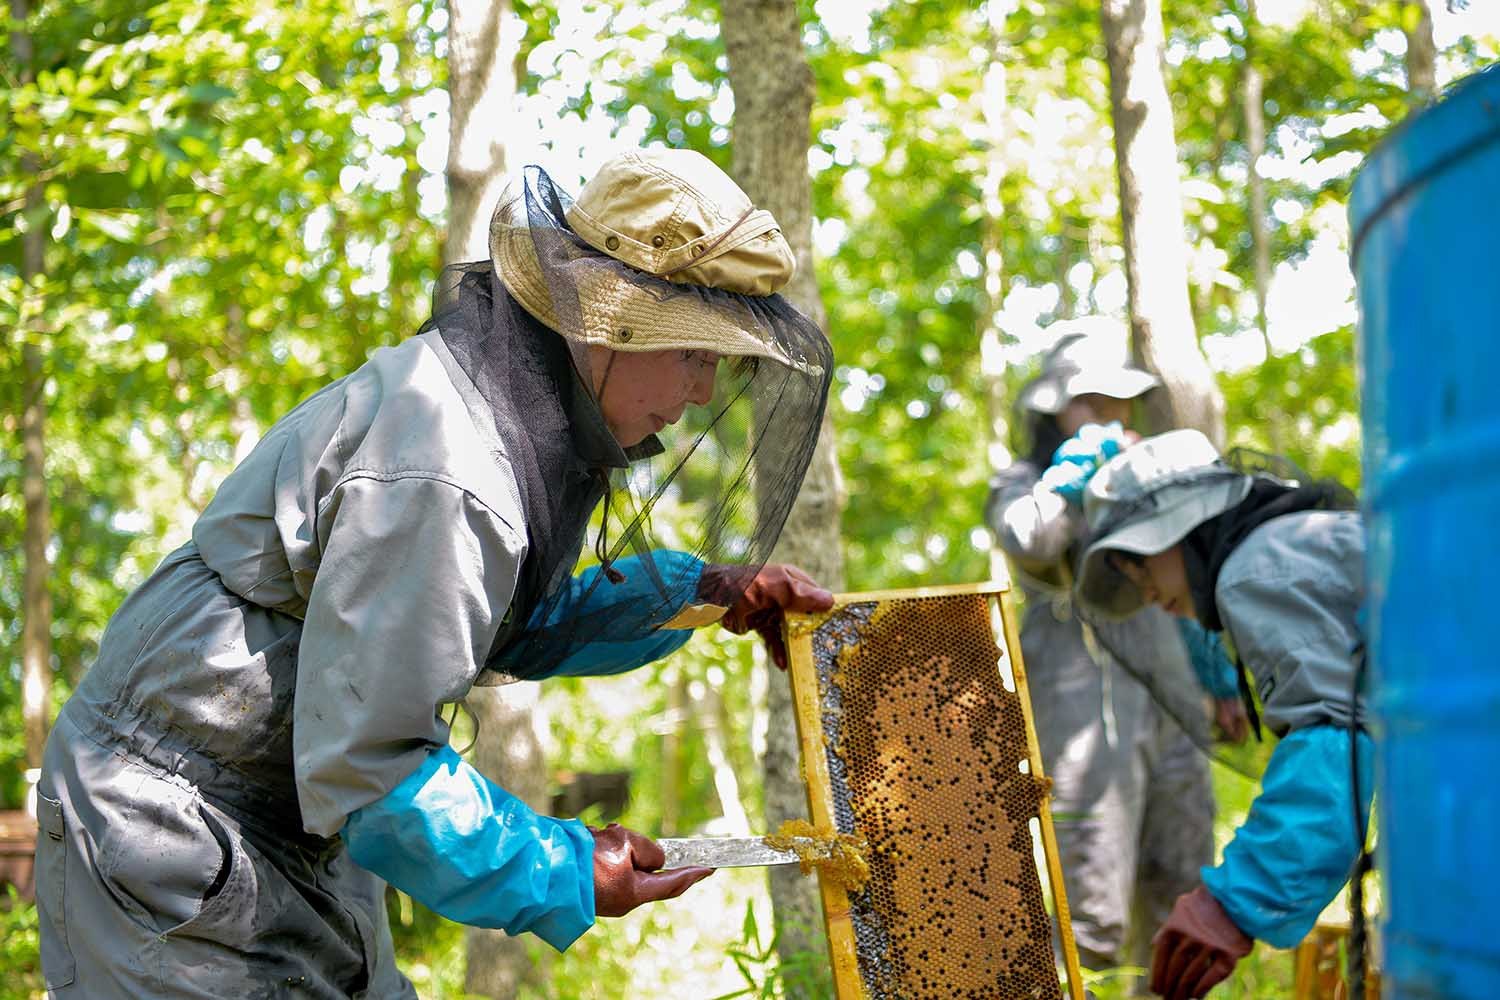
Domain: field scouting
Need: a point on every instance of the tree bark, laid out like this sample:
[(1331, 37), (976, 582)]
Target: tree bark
[(674, 754), (995, 96), (1421, 50), (36, 597), (773, 94), (243, 427), (483, 39), (508, 749), (1161, 317), (1255, 146), (709, 711)]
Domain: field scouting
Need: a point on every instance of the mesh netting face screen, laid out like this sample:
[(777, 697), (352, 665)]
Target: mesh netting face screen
[(925, 748), (713, 486)]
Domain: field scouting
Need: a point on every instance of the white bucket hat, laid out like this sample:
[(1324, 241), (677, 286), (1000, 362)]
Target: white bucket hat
[(667, 213), (1085, 361), (1145, 500)]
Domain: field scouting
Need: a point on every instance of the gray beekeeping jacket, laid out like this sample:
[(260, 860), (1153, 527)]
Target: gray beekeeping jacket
[(385, 490), (1289, 596), (345, 582), (281, 670)]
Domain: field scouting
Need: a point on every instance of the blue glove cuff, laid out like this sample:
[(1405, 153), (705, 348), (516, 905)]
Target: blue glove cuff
[(1215, 672), (1297, 845), (469, 850), (1078, 458)]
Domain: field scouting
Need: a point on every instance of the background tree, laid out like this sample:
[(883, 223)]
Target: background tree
[(484, 50), (994, 108), (36, 600), (1421, 49), (1161, 318), (483, 40), (774, 92), (1254, 103)]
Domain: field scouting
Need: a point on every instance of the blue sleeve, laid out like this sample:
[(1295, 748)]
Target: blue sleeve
[(1297, 845), (1210, 663), (469, 850), (630, 640)]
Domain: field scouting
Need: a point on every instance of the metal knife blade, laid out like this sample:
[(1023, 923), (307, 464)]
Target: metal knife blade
[(737, 852)]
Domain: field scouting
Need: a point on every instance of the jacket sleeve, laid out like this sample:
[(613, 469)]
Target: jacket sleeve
[(415, 577), (1298, 843), (1289, 597), (1030, 521), (1215, 673), (467, 849), (630, 639)]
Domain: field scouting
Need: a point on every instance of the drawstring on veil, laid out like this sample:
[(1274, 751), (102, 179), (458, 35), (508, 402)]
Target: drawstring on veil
[(601, 540)]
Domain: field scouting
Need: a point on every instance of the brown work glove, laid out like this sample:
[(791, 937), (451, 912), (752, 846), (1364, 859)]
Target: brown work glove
[(1230, 718), (1197, 948), (626, 875), (776, 589)]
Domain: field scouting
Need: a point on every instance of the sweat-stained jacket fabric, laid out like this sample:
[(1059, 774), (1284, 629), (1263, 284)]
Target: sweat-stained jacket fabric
[(1131, 800), (281, 676), (1289, 596)]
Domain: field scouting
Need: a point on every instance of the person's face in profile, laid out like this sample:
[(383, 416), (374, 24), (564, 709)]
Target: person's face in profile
[(1093, 408), (1161, 579), (640, 392)]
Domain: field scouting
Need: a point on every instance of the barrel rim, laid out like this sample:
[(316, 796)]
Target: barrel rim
[(1428, 142)]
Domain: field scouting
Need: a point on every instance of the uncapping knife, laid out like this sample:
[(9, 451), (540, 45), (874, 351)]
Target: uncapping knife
[(738, 852)]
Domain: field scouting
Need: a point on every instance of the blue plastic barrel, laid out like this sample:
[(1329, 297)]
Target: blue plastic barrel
[(1425, 220)]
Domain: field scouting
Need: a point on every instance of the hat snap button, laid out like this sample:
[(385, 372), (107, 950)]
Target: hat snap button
[(612, 242), (625, 334), (658, 240)]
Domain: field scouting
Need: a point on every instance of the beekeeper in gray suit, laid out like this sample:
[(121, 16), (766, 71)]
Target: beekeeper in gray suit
[(1131, 804), (261, 744)]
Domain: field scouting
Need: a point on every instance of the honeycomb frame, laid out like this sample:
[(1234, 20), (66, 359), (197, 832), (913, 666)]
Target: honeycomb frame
[(989, 878)]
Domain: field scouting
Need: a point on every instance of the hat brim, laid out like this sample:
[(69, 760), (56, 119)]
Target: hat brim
[(617, 312), (1106, 592), (1051, 394)]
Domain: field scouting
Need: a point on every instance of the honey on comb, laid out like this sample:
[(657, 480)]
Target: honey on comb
[(844, 864), (924, 747)]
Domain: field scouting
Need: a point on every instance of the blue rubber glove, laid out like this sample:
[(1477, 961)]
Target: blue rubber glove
[(630, 640), (1297, 845), (1078, 458), (1211, 664), (469, 850)]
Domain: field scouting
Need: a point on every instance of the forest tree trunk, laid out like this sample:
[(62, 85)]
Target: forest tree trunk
[(36, 597), (1161, 316), (1255, 145), (995, 97), (483, 39), (773, 97), (1421, 49)]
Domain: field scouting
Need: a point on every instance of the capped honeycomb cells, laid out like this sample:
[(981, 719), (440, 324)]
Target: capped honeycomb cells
[(924, 749)]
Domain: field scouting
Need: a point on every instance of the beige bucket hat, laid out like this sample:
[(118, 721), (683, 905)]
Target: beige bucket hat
[(1145, 500), (668, 213), (1085, 361)]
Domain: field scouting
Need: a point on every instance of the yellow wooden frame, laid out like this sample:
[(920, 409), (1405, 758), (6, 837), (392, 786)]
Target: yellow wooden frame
[(819, 783)]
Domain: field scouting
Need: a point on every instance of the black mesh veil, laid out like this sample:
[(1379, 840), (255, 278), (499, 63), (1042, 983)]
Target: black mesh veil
[(713, 488), (1276, 485)]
